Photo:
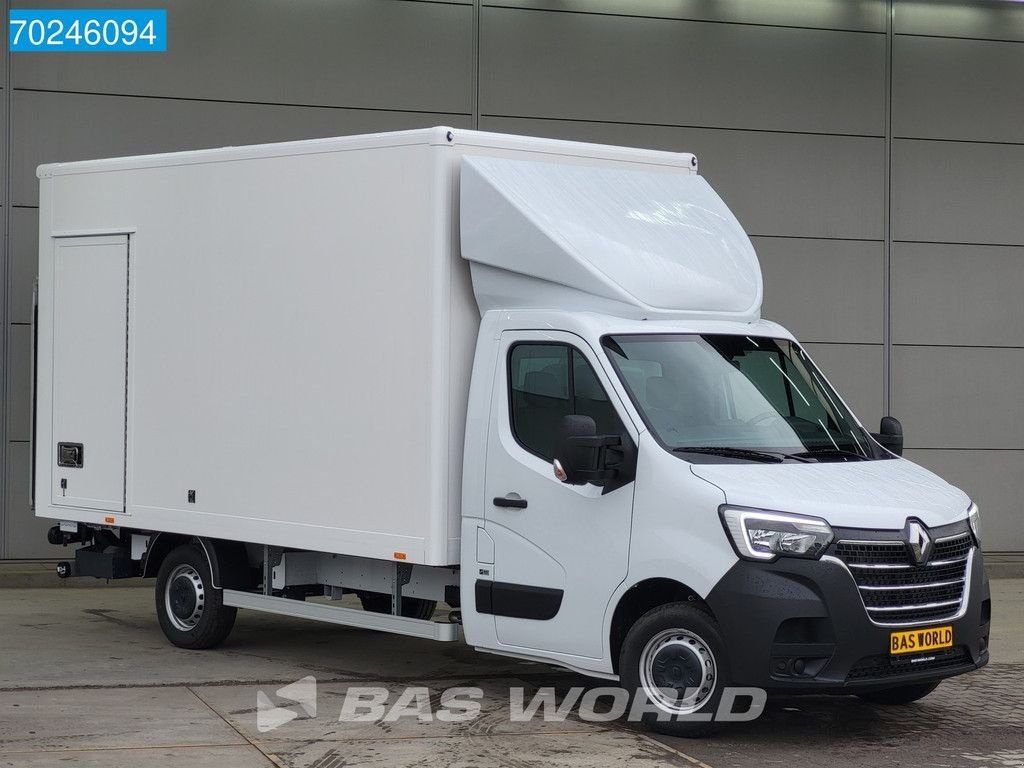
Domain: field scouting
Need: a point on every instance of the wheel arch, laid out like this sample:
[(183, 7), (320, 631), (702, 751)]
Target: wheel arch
[(228, 560), (639, 599)]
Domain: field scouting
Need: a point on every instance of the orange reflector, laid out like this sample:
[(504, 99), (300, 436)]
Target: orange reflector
[(399, 555), (108, 519)]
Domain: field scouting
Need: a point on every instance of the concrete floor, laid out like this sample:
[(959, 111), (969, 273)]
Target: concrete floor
[(86, 679)]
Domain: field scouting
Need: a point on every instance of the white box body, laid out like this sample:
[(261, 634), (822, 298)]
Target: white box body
[(297, 340)]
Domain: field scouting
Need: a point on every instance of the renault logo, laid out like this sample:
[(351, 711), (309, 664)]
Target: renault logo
[(917, 538)]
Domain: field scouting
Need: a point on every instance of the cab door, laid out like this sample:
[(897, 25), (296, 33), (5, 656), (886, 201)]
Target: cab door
[(559, 550)]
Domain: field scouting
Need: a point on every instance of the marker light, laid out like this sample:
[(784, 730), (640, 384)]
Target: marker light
[(974, 518)]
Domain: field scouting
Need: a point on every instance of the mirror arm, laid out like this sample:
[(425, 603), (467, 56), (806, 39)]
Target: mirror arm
[(605, 449)]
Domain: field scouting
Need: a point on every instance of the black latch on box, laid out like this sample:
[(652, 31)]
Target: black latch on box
[(70, 455)]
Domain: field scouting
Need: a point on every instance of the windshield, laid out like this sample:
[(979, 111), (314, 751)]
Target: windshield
[(749, 398)]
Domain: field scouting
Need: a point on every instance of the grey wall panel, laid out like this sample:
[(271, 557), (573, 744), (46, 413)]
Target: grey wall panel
[(984, 19), (18, 372), (824, 290), (862, 15), (957, 294), (995, 481), (24, 535), (776, 183), (856, 371), (4, 132), (44, 132), (957, 89), (3, 125), (359, 53), (23, 263), (766, 93), (958, 193), (959, 397), (595, 67)]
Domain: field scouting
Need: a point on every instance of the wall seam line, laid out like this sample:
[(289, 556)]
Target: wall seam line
[(241, 102), (475, 98), (5, 270), (685, 19), (691, 126), (887, 375)]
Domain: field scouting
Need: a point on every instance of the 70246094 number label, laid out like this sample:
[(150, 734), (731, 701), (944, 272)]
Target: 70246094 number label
[(101, 30)]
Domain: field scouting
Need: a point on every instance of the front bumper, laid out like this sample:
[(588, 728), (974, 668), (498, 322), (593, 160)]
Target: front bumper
[(800, 625)]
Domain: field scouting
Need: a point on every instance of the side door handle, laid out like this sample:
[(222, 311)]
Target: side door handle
[(512, 500)]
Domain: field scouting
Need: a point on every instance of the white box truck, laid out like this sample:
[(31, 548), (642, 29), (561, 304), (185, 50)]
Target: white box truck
[(525, 377)]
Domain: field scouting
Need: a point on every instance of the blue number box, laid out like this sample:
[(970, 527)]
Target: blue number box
[(83, 30)]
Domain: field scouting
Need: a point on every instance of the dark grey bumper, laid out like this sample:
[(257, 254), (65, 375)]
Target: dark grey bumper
[(800, 625)]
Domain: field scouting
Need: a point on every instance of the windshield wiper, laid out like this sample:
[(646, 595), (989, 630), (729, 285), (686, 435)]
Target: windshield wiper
[(738, 453), (830, 452), (770, 457)]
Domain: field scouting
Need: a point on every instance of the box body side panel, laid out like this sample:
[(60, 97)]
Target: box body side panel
[(285, 315)]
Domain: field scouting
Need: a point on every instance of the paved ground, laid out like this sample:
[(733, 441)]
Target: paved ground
[(87, 679)]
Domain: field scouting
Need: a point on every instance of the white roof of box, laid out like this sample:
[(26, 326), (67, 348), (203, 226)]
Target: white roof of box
[(645, 242)]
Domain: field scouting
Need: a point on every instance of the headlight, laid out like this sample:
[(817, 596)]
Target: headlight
[(974, 518), (760, 535)]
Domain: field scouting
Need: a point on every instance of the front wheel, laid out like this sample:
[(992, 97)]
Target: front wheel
[(191, 612), (905, 694), (674, 658)]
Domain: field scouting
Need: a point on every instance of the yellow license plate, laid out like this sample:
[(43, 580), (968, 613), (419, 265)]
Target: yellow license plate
[(919, 640)]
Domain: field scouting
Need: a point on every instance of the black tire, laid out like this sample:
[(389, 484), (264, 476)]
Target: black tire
[(675, 642), (192, 613), (412, 607), (904, 694)]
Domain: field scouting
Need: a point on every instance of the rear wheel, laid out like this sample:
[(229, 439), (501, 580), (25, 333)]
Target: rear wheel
[(905, 694), (412, 607), (191, 612), (674, 659)]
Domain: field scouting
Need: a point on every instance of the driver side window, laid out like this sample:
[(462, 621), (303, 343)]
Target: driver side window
[(548, 382)]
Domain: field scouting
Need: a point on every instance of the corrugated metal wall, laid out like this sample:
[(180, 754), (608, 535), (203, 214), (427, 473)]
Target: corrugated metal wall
[(874, 151)]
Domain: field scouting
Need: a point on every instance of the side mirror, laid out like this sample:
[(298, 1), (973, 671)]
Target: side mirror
[(890, 435), (582, 456)]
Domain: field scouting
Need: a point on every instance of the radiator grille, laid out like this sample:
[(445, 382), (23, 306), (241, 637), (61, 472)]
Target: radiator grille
[(896, 591)]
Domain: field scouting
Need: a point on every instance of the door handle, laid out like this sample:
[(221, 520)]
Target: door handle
[(505, 501)]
